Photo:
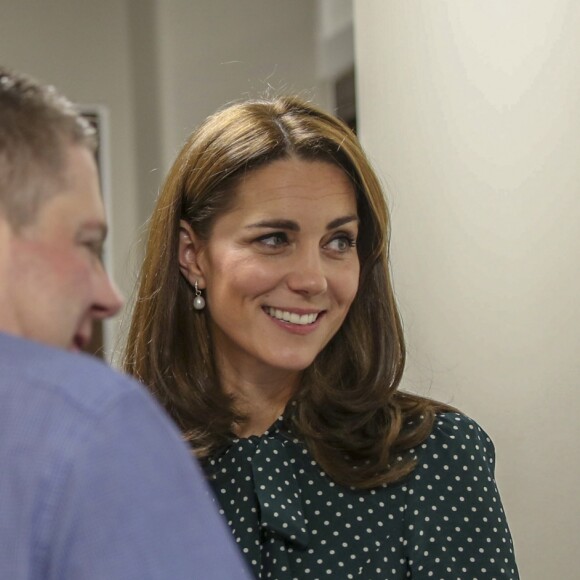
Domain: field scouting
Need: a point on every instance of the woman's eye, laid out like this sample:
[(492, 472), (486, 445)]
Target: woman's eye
[(273, 240), (341, 243)]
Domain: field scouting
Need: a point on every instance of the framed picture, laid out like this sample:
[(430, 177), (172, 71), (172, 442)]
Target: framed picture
[(98, 117)]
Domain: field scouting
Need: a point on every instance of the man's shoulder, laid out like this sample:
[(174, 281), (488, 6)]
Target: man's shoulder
[(74, 379), (88, 458)]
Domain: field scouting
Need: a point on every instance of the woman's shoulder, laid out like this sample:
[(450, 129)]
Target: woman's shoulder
[(456, 525), (455, 424), (455, 437)]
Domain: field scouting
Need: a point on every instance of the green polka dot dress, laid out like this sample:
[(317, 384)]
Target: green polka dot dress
[(444, 521)]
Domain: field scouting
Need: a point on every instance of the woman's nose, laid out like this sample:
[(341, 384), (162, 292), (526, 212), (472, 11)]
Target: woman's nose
[(307, 275)]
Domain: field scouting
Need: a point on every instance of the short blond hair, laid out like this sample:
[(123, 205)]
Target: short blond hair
[(36, 125)]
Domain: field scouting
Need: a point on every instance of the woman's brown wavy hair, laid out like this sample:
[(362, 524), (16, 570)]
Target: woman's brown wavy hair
[(348, 410)]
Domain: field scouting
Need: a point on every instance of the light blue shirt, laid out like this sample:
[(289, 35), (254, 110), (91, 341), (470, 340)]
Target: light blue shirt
[(94, 481)]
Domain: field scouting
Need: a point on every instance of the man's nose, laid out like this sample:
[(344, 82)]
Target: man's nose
[(109, 299)]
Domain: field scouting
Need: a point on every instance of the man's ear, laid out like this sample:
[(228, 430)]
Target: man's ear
[(189, 255)]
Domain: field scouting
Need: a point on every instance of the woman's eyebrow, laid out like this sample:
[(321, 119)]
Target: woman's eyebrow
[(341, 221), (290, 225), (277, 224)]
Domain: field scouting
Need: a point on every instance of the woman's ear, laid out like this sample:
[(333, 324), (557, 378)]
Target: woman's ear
[(189, 254)]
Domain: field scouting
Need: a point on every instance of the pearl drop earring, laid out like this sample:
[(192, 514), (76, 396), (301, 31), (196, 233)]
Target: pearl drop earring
[(198, 301)]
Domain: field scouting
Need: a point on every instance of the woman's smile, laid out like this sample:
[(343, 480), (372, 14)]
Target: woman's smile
[(301, 318), (299, 322)]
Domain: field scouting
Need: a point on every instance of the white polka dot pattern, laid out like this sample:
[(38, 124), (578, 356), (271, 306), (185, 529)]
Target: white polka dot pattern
[(291, 521)]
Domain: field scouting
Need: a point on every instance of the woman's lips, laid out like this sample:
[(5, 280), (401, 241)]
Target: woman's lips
[(297, 321)]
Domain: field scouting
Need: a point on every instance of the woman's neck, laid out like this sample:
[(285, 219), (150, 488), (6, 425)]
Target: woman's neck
[(260, 399), (259, 413)]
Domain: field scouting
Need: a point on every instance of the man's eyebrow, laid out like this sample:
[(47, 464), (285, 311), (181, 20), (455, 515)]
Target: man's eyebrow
[(94, 226), (290, 225)]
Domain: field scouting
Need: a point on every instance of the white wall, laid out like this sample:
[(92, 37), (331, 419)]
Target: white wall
[(471, 112)]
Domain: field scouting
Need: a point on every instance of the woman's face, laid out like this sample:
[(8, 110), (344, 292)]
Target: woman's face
[(280, 269)]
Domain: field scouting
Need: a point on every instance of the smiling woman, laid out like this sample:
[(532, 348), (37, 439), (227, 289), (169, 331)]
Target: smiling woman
[(284, 379), (280, 270)]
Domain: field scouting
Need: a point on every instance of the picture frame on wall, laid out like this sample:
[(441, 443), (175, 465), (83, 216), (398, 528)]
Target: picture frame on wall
[(98, 116)]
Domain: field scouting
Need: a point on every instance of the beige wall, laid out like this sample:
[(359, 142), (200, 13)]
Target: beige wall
[(217, 51), (335, 43), (471, 112)]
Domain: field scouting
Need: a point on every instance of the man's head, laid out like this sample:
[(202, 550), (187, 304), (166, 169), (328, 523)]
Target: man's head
[(52, 220)]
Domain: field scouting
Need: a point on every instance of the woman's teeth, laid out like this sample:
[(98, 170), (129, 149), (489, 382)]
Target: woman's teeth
[(292, 317)]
